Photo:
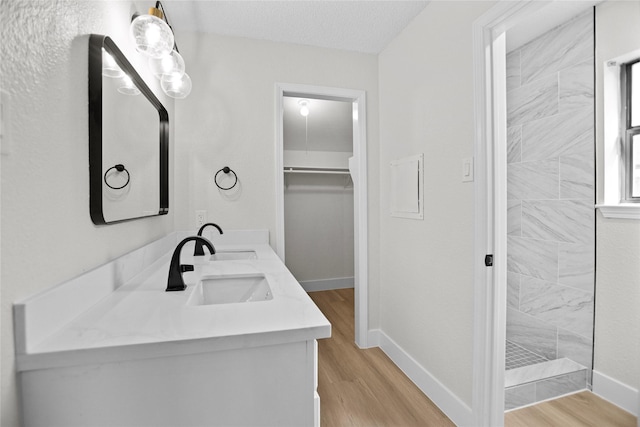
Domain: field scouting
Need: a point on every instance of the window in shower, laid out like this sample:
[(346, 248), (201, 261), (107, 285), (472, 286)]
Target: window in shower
[(631, 91)]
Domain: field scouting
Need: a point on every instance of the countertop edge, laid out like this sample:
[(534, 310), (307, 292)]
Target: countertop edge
[(113, 354)]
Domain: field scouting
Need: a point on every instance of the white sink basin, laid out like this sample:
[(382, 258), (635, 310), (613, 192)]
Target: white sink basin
[(231, 255), (231, 289)]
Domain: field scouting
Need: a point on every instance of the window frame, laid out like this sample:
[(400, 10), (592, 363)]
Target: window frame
[(628, 132)]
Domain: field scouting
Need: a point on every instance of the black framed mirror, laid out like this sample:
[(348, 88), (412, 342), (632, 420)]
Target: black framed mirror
[(128, 140)]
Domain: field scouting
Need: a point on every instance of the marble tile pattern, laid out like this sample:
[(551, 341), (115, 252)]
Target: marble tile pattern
[(577, 176), (562, 306), (560, 134), (560, 385), (575, 347), (550, 207), (526, 394), (533, 334), (567, 221), (514, 144), (533, 101), (576, 265), (565, 46), (513, 290), (518, 396), (513, 70), (514, 217), (533, 258), (533, 180), (575, 87)]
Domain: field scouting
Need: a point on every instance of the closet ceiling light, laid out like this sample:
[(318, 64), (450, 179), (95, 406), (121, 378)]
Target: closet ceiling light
[(153, 36), (304, 107)]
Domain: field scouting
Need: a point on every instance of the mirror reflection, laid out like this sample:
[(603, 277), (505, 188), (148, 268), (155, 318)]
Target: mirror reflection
[(128, 139)]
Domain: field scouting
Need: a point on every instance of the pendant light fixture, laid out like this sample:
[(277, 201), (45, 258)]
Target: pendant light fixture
[(304, 112), (153, 37), (171, 65), (304, 107), (176, 87)]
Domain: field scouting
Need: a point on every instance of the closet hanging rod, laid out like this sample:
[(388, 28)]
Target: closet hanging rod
[(317, 170)]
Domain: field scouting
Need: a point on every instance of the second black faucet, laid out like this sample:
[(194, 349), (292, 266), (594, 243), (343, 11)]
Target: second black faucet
[(199, 250)]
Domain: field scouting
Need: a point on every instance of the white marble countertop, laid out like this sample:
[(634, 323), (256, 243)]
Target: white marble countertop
[(140, 320)]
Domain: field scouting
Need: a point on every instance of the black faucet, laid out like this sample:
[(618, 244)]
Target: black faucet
[(175, 281), (199, 250)]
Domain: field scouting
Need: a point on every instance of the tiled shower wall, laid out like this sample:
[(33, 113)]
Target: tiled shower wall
[(550, 191)]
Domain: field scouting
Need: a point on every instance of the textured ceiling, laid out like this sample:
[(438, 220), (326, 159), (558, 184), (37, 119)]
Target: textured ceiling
[(357, 25)]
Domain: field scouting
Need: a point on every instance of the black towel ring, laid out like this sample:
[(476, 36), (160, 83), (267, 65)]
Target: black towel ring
[(119, 168), (226, 170)]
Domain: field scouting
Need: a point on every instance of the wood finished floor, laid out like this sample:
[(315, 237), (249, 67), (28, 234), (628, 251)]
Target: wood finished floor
[(365, 388), (583, 409)]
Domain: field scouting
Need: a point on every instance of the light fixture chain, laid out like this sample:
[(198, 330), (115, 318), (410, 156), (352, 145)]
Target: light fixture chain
[(306, 133)]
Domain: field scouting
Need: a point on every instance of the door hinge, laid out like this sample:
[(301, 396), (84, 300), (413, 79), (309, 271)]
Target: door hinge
[(488, 260)]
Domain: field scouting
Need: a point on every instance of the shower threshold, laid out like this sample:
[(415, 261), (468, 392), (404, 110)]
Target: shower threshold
[(541, 371), (524, 366)]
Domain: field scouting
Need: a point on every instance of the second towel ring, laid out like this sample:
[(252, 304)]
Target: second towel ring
[(119, 168), (226, 170)]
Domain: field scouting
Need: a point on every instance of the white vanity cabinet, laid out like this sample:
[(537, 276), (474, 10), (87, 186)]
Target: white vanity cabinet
[(272, 385), (111, 348)]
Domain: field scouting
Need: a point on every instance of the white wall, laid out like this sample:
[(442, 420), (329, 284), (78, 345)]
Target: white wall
[(426, 267), (617, 326), (47, 234), (319, 228), (229, 119)]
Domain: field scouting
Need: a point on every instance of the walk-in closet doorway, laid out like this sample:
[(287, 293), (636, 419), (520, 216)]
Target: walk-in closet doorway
[(319, 164)]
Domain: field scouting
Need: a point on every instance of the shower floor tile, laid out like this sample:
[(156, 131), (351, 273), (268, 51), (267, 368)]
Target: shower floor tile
[(517, 356)]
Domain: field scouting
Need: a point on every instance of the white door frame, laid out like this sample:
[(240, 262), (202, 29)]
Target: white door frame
[(490, 149), (358, 169)]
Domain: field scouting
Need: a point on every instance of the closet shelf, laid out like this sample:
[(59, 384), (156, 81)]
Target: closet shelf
[(334, 171), (319, 171)]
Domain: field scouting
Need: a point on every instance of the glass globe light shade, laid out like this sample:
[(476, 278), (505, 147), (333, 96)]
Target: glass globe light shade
[(177, 87), (171, 65), (304, 107), (110, 67), (151, 36), (127, 87)]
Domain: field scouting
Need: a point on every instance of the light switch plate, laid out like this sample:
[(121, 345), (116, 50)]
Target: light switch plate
[(467, 169)]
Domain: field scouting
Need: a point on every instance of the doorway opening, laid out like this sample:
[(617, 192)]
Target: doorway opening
[(349, 168), (491, 119)]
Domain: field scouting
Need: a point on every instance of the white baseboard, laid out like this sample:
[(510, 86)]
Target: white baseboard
[(459, 412), (618, 393), (327, 284), (373, 338)]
